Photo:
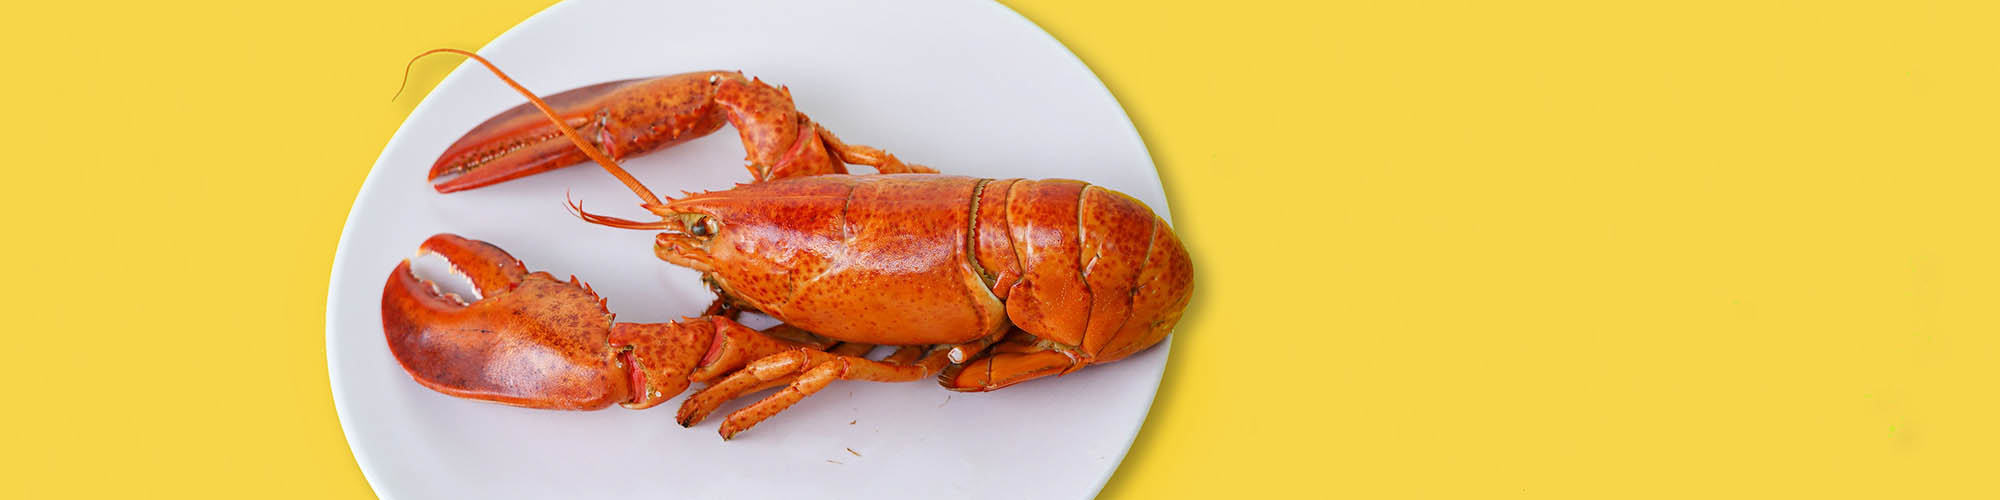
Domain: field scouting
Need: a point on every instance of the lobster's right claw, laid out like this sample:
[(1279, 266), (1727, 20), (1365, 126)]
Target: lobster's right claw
[(622, 118), (532, 340)]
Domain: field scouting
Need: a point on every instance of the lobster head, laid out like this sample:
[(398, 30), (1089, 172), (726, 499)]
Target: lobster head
[(757, 244), (839, 255)]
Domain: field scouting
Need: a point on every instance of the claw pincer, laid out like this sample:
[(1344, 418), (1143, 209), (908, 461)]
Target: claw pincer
[(531, 340), (623, 118), (628, 118)]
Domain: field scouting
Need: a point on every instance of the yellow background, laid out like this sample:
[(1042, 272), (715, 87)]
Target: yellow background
[(1445, 248)]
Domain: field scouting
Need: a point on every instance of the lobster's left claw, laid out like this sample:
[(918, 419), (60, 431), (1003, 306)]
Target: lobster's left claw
[(531, 340), (622, 118)]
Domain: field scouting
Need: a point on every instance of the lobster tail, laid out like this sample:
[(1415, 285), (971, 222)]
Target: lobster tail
[(1089, 274)]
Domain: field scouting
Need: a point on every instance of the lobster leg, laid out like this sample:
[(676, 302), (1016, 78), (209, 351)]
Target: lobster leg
[(883, 162), (854, 349), (767, 372), (842, 349), (664, 367), (1019, 358), (960, 353), (814, 370)]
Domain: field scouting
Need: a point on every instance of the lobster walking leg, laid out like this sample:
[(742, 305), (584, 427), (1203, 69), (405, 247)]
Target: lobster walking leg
[(774, 340), (765, 372), (855, 349), (1020, 358), (813, 370), (962, 352), (897, 368), (883, 162)]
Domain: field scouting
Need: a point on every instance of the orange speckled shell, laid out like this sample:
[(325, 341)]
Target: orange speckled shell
[(995, 247), (854, 258), (1162, 281), (771, 128), (888, 259), (631, 117), (766, 120), (658, 113), (553, 352), (625, 118), (1052, 300), (1115, 230), (1100, 272)]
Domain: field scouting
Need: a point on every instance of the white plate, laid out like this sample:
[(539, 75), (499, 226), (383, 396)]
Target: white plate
[(967, 87)]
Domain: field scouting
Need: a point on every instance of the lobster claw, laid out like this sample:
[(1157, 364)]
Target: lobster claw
[(535, 341), (622, 118), (631, 117), (531, 340)]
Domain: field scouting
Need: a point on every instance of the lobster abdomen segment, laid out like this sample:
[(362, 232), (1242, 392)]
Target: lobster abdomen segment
[(1118, 236), (1083, 266), (1160, 293), (1051, 301), (1089, 276)]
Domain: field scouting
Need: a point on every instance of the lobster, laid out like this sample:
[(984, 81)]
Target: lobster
[(982, 283)]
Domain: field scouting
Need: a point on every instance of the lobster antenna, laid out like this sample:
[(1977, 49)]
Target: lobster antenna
[(576, 208), (588, 149), (406, 77)]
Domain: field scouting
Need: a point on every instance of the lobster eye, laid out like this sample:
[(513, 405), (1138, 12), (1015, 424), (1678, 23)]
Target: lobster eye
[(700, 226)]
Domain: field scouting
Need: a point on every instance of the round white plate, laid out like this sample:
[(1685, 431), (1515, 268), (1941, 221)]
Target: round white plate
[(968, 87)]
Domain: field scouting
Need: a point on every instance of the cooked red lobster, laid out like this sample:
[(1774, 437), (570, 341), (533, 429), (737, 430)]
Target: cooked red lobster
[(984, 282)]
